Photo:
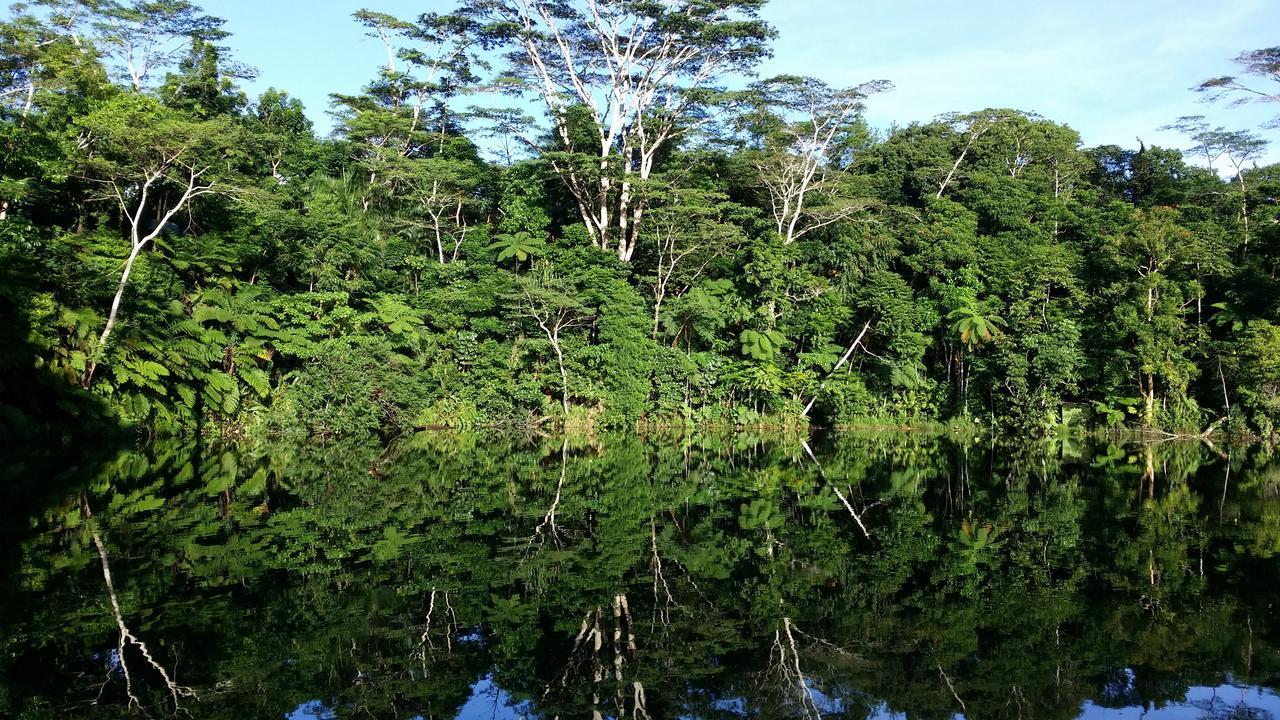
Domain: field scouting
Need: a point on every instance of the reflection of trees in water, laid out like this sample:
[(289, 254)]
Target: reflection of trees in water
[(126, 639), (600, 650), (1225, 708), (624, 579), (785, 673)]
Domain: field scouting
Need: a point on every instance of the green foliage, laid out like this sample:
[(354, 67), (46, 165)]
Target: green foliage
[(761, 345), (519, 246), (973, 328), (1005, 276)]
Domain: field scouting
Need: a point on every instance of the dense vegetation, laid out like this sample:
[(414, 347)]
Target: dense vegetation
[(668, 242), (643, 580)]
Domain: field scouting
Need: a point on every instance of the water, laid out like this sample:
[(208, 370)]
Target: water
[(443, 576)]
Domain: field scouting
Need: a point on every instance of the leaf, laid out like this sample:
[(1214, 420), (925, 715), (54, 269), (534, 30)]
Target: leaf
[(255, 485), (256, 378), (205, 313), (761, 345)]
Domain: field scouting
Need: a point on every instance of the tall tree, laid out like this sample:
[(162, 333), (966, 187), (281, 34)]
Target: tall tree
[(550, 302), (968, 129), (152, 163), (202, 86), (142, 36), (1256, 65), (419, 170), (800, 151), (620, 81), (1240, 148), (688, 232), (44, 60)]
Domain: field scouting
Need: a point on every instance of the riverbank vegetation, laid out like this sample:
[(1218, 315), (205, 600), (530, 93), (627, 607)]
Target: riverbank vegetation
[(594, 215)]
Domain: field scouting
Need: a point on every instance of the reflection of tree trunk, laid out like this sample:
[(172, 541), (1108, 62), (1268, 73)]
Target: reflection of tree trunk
[(425, 646), (661, 607), (1226, 481), (638, 701), (589, 653), (548, 524), (951, 686), (126, 636), (784, 664), (857, 517), (1149, 471)]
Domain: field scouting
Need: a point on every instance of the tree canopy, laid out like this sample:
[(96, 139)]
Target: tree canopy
[(680, 243)]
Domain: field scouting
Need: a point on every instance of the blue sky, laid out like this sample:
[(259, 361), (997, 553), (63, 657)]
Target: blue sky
[(1115, 70)]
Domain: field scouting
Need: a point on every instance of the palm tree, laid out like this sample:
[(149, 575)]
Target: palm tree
[(520, 246), (974, 327)]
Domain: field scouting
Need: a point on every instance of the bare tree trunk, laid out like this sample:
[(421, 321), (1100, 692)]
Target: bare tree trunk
[(950, 174), (844, 359), (1244, 207), (1149, 401), (1225, 398), (564, 377), (138, 241), (113, 314), (977, 128)]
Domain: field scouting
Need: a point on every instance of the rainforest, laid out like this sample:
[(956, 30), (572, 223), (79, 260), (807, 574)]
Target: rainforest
[(581, 368), (540, 217)]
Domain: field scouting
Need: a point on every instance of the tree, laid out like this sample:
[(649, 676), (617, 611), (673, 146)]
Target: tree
[(47, 78), (35, 53), (1239, 147), (153, 163), (142, 36), (421, 172), (1263, 64), (201, 87), (968, 130), (620, 81), (405, 110), (549, 301), (975, 328), (1156, 259), (519, 246), (280, 130), (690, 230), (799, 127)]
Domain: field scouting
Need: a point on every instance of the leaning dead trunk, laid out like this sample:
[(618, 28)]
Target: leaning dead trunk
[(114, 313), (843, 359), (138, 241), (564, 377)]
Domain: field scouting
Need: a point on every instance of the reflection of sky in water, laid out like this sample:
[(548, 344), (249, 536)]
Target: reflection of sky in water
[(1226, 702), (487, 702), (1201, 703), (311, 710), (490, 701), (1223, 702)]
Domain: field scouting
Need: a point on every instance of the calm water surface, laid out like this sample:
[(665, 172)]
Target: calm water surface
[(446, 577)]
